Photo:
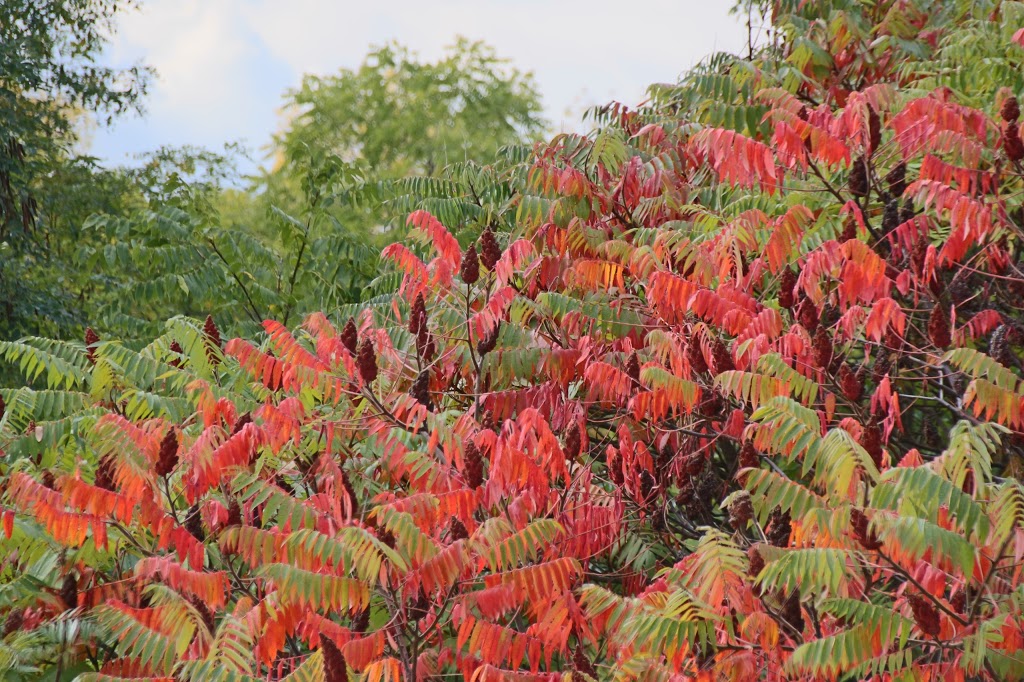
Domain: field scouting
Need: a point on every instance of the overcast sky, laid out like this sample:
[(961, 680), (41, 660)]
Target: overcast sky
[(225, 64)]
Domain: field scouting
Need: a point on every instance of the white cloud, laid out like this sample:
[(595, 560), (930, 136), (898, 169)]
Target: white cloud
[(224, 64)]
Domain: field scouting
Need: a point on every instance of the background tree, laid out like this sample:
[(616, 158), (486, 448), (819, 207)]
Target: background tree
[(49, 77)]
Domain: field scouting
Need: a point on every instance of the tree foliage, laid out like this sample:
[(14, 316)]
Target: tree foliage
[(708, 393)]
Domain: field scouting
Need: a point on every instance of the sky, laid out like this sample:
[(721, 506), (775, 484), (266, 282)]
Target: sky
[(224, 65)]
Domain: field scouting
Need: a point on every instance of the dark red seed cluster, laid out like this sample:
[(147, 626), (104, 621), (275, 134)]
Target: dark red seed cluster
[(874, 130), (209, 620), (925, 614), (474, 463), (849, 383), (194, 523), (755, 562), (490, 252), (213, 339), (1010, 111), (420, 389), (741, 511), (350, 336), (861, 527), (791, 611), (168, 458), (346, 485), (787, 283), (896, 179), (633, 368), (938, 327), (582, 664), (457, 530), (695, 356), (821, 348), (573, 442), (91, 339), (807, 315), (178, 352), (487, 344), (69, 591), (721, 357), (105, 475), (335, 667), (748, 456), (779, 528), (858, 181), (469, 271), (1012, 142), (871, 441), (366, 361)]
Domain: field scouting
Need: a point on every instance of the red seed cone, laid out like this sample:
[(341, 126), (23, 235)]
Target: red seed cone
[(457, 530), (474, 463), (48, 480), (633, 368), (807, 315), (418, 316), (346, 485), (212, 337), (176, 349), (91, 339), (335, 668), (858, 180), (209, 620), (787, 282), (849, 383), (741, 510), (241, 422), (573, 442), (958, 600), (849, 231), (420, 389), (1010, 111), (861, 527), (695, 356), (487, 344), (918, 254), (366, 361), (234, 513), (469, 271), (998, 347), (871, 441), (490, 252), (647, 485), (350, 336), (748, 456), (791, 611), (168, 458), (69, 591), (755, 562), (1012, 143), (821, 348), (582, 664), (105, 475), (925, 614), (896, 179), (779, 528), (891, 216), (938, 327), (721, 357), (194, 523), (361, 621), (874, 130), (14, 622)]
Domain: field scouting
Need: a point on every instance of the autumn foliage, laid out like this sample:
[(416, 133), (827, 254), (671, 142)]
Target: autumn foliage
[(730, 402)]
